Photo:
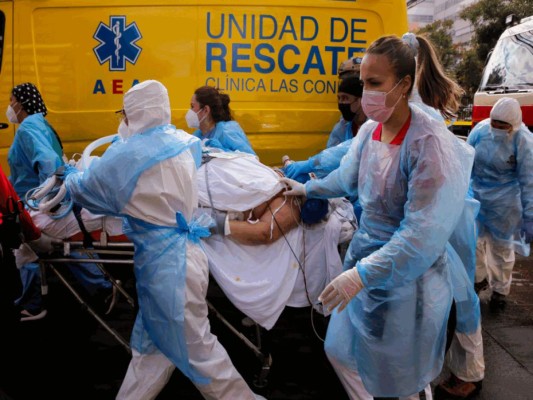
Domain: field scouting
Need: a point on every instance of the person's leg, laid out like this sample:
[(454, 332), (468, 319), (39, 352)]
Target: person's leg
[(500, 263), (90, 277), (350, 380), (147, 375), (206, 354), (481, 263), (31, 300)]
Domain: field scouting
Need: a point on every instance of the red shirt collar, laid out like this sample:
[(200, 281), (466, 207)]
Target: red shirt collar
[(400, 136)]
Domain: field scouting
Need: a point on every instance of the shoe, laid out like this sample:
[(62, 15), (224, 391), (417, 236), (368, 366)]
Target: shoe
[(479, 286), (497, 301), (111, 300), (456, 388), (26, 315)]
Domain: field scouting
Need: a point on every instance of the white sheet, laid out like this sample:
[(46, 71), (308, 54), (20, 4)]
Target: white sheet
[(260, 280)]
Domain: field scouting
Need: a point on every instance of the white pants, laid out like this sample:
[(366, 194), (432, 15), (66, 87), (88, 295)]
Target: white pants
[(148, 373), (494, 262), (352, 383), (465, 357)]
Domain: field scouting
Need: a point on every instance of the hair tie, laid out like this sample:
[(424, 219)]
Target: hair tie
[(411, 40)]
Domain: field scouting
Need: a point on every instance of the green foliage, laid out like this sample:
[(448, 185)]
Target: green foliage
[(488, 19)]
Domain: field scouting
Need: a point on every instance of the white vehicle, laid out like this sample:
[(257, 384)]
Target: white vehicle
[(508, 73)]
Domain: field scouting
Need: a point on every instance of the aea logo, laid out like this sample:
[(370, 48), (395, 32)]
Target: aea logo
[(117, 43)]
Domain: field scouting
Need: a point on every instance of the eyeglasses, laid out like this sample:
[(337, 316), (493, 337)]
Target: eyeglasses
[(121, 114)]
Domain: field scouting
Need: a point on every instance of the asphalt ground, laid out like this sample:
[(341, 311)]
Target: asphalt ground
[(68, 355)]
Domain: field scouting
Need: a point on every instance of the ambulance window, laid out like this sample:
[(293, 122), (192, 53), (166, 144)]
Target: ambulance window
[(2, 32), (510, 66)]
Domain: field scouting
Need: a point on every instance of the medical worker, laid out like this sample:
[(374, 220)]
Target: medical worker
[(397, 286), (149, 178), (35, 154), (210, 115), (502, 180), (349, 104)]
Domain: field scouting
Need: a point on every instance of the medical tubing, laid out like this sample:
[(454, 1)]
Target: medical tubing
[(39, 192), (65, 211), (47, 205), (301, 268), (94, 145)]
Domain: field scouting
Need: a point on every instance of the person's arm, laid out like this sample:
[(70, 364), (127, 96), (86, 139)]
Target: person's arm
[(343, 181), (437, 186), (29, 230), (234, 138), (268, 230), (524, 169), (44, 160), (329, 159)]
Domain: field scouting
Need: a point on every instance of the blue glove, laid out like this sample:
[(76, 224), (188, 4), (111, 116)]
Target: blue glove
[(65, 170), (298, 168), (527, 229)]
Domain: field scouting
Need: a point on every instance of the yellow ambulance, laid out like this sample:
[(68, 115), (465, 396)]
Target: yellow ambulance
[(276, 59)]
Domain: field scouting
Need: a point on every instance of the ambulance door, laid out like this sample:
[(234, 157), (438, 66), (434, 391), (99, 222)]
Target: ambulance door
[(7, 130)]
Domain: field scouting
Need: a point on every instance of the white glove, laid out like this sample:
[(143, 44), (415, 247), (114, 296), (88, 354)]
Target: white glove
[(45, 244), (296, 188), (341, 290)]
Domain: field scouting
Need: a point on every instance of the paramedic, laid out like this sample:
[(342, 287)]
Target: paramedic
[(503, 183), (211, 116), (396, 286), (35, 154), (157, 198)]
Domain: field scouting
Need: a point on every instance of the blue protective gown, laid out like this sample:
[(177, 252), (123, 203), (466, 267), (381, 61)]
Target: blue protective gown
[(160, 251), (228, 136), (341, 132), (502, 181), (34, 155), (412, 196)]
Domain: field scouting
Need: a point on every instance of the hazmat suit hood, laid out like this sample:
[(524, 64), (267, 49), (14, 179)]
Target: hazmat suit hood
[(507, 110), (146, 106)]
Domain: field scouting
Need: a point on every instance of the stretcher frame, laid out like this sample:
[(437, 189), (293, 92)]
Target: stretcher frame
[(103, 247), (100, 248)]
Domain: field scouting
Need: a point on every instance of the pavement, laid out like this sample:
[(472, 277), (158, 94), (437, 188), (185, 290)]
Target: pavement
[(68, 355)]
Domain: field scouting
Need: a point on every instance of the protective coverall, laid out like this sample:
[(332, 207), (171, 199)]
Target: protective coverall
[(227, 135), (341, 132), (150, 180), (394, 329), (34, 156), (503, 182)]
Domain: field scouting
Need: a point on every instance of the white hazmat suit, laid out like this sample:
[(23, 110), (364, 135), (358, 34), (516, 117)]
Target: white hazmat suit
[(149, 178)]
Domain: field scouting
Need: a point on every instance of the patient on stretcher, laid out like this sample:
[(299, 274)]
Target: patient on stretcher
[(265, 258)]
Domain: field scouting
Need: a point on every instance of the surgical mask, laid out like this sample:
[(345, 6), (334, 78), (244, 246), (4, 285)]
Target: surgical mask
[(374, 104), (499, 133), (124, 130), (347, 113), (11, 115), (192, 119)]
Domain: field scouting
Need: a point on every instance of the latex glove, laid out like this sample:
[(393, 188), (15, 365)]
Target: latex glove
[(341, 290), (527, 229), (45, 244), (297, 168), (221, 219), (296, 188)]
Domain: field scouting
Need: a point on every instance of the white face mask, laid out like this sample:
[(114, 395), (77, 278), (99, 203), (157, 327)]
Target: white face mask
[(499, 133), (192, 119), (374, 104), (124, 130), (11, 115)]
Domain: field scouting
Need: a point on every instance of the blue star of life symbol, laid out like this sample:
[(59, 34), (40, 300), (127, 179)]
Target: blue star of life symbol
[(117, 43)]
